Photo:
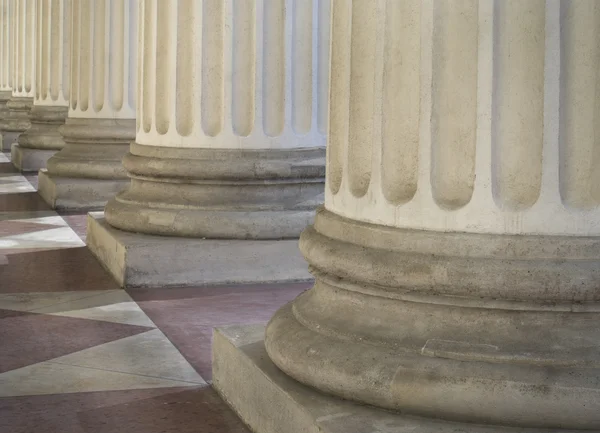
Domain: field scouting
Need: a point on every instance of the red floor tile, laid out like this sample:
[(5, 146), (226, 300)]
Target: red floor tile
[(28, 338)]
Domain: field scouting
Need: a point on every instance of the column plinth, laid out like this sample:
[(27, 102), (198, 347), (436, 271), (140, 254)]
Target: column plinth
[(456, 255), (228, 162), (87, 171)]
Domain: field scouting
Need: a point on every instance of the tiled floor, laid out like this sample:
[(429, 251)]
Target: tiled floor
[(78, 354)]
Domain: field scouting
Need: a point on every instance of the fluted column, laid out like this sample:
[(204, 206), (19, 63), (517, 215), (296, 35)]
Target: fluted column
[(22, 17), (6, 60), (51, 101), (457, 255), (229, 155), (101, 116), (231, 120)]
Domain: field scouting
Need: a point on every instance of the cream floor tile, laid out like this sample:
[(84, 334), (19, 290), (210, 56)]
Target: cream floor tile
[(55, 220), (51, 378), (62, 237), (48, 300), (113, 306), (147, 354)]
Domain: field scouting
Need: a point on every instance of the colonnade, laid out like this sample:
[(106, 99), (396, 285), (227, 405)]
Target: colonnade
[(456, 255)]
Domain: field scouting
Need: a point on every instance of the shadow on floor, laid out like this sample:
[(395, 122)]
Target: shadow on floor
[(54, 270)]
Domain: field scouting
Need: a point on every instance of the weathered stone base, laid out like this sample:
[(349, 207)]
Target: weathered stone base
[(138, 260), (25, 159), (8, 139), (77, 194), (268, 401)]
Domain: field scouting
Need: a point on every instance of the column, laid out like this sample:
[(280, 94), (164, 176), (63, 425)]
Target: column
[(456, 257), (101, 114), (231, 126), (5, 57), (22, 50), (51, 101)]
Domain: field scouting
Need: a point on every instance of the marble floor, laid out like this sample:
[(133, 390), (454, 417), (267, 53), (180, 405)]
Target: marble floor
[(79, 354)]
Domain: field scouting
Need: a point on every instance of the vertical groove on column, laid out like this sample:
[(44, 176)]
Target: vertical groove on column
[(130, 64), (164, 46), (29, 33), (18, 71), (65, 38), (401, 100), (362, 98), (244, 66), (322, 70), (212, 67), (41, 56), (118, 53), (99, 51), (84, 56), (454, 101), (5, 41), (185, 110), (55, 46), (341, 27), (148, 65), (140, 80), (518, 102), (580, 104), (273, 79), (302, 67), (76, 59)]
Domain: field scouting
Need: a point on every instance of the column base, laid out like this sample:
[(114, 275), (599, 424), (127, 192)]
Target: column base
[(16, 121), (219, 193), (8, 139), (28, 160), (42, 140), (269, 401), (139, 260), (77, 194)]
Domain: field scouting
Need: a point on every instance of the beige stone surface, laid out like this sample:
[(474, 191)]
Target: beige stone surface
[(137, 260)]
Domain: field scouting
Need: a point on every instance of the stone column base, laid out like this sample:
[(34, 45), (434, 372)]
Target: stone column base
[(28, 160), (269, 401), (138, 260), (77, 194), (42, 140), (16, 121), (88, 171)]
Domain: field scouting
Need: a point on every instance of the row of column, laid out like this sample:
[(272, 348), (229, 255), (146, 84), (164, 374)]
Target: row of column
[(456, 256)]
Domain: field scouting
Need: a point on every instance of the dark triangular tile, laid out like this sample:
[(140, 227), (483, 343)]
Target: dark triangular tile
[(28, 338)]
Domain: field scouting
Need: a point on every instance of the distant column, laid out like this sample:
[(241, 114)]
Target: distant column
[(6, 58), (22, 46), (51, 102), (101, 117)]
